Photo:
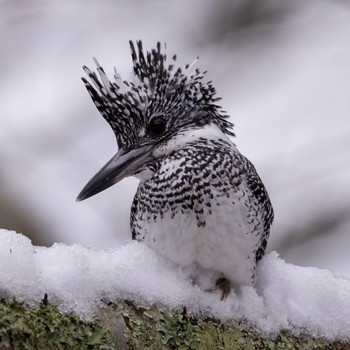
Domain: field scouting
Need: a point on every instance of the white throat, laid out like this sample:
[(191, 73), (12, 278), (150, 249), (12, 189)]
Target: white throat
[(209, 132)]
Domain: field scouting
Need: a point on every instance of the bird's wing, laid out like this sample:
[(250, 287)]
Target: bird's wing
[(259, 191)]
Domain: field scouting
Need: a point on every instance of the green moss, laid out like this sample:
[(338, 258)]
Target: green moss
[(235, 336), (178, 330), (44, 327)]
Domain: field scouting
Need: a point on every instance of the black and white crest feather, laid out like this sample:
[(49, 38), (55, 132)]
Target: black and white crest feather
[(155, 88)]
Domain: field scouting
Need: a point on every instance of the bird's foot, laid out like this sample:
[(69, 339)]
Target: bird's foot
[(224, 285)]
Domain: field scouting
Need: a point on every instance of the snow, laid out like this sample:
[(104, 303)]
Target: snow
[(77, 278)]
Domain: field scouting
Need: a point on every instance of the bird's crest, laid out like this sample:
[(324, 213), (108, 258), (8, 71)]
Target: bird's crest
[(154, 88)]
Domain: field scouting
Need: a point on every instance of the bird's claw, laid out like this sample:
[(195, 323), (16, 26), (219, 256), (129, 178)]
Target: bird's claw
[(225, 286)]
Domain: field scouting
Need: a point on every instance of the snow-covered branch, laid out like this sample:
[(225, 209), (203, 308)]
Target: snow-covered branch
[(287, 300)]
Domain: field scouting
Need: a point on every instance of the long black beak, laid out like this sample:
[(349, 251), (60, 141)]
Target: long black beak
[(123, 164)]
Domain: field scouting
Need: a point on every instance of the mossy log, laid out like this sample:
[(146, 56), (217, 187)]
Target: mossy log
[(126, 325)]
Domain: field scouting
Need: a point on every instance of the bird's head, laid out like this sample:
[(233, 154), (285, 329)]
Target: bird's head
[(150, 112)]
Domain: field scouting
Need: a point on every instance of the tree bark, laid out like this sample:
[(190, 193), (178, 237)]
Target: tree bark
[(129, 326)]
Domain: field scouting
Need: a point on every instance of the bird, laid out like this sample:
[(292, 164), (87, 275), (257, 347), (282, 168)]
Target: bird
[(199, 202)]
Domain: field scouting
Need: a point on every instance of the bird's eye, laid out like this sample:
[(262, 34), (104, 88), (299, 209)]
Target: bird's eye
[(157, 126)]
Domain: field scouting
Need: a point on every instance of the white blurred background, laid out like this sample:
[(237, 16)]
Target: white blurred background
[(282, 68)]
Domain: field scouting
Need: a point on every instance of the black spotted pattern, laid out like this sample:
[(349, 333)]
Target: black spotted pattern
[(207, 170)]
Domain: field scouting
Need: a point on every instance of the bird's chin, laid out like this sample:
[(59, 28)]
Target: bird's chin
[(144, 174)]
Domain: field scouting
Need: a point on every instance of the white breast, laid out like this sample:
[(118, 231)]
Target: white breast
[(224, 244)]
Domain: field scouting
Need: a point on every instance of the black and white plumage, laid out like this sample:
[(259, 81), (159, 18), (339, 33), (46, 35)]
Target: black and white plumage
[(200, 201)]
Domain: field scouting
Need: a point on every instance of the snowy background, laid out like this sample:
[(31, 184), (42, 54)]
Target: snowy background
[(282, 68)]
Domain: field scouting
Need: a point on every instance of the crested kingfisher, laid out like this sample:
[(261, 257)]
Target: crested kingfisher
[(199, 202)]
